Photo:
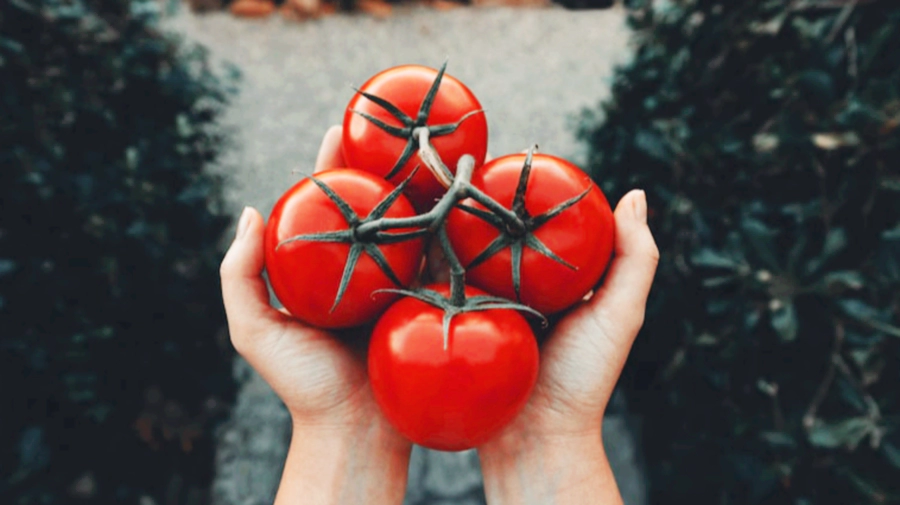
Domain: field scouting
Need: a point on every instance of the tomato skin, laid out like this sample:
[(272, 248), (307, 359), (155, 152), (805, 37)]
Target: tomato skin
[(305, 275), (453, 399), (583, 235), (369, 148)]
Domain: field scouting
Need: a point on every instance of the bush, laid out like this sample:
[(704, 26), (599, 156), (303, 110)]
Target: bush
[(766, 136), (109, 302)]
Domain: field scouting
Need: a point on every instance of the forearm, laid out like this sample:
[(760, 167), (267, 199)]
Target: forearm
[(549, 470), (325, 468)]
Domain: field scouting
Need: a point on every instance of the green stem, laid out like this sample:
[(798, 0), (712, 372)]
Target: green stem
[(432, 219), (509, 217), (457, 272)]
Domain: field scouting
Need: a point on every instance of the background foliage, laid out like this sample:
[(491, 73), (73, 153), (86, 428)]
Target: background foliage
[(766, 136), (109, 303)]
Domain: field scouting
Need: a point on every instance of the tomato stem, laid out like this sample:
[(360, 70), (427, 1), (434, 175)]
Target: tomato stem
[(510, 219), (430, 157), (457, 272), (432, 219)]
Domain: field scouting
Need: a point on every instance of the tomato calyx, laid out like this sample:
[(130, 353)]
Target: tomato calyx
[(453, 308), (517, 233), (458, 302), (361, 243), (416, 130)]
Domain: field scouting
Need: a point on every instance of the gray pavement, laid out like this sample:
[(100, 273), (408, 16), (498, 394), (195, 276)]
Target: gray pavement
[(532, 70)]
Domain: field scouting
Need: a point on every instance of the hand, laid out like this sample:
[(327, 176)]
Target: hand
[(552, 452), (343, 450)]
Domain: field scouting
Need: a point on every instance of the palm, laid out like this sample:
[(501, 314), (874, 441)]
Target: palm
[(316, 374), (579, 366), (583, 357)]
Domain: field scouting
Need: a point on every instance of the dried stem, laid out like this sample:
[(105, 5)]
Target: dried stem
[(430, 157)]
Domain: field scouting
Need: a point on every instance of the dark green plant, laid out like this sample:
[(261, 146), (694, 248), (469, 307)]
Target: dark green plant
[(766, 136), (112, 362)]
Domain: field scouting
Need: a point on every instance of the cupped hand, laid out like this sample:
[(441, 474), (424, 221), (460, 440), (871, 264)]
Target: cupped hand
[(582, 358), (320, 377)]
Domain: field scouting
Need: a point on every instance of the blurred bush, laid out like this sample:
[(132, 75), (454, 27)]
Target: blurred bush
[(766, 136), (113, 363)]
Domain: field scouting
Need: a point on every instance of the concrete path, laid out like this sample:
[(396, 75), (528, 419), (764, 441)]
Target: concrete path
[(532, 69)]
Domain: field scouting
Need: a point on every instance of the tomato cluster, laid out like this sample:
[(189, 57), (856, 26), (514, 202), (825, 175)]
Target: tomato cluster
[(449, 364)]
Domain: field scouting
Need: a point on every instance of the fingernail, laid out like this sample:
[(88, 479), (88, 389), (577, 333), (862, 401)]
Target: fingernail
[(640, 206), (243, 223)]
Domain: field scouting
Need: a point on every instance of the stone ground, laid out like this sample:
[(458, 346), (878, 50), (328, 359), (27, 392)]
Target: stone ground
[(533, 71)]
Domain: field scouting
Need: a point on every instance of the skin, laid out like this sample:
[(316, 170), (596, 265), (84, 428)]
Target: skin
[(344, 451)]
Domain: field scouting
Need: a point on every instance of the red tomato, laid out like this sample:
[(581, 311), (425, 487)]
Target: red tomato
[(583, 235), (455, 398), (370, 148), (305, 274)]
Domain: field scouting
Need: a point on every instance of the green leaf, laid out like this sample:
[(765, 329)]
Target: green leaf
[(714, 282), (890, 183), (887, 257), (858, 115), (6, 266), (850, 394), (762, 241), (847, 278), (778, 439), (784, 320), (847, 433), (653, 145), (858, 309), (11, 45), (811, 29), (718, 306), (771, 26), (751, 319), (817, 86), (891, 453), (835, 242), (710, 258), (868, 315)]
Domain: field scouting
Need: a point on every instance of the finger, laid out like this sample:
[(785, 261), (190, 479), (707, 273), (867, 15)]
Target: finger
[(622, 299), (330, 155), (243, 288)]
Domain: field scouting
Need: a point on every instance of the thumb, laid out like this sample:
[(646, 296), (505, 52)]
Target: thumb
[(243, 288), (620, 303)]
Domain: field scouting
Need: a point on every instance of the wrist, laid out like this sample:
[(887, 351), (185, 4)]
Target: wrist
[(336, 465), (543, 469)]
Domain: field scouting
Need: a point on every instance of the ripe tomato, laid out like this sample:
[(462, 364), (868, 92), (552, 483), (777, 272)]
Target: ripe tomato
[(306, 274), (367, 146), (581, 237), (455, 398)]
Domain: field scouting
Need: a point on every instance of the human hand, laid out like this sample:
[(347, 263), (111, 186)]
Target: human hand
[(552, 452), (343, 450)]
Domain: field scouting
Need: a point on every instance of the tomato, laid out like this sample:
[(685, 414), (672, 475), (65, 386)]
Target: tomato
[(455, 398), (306, 274), (368, 147), (581, 237)]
